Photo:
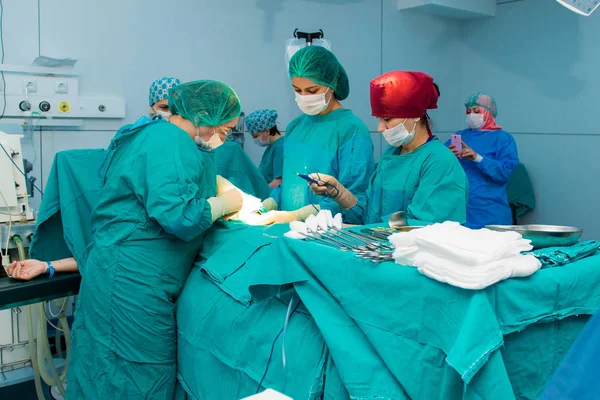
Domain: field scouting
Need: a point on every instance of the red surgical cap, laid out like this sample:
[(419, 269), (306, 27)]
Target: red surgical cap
[(403, 94)]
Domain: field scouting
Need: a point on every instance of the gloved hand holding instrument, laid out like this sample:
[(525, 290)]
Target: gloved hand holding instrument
[(328, 186)]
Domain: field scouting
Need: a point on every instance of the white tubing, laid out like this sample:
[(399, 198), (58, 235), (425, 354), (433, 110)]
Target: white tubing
[(45, 356), (33, 356)]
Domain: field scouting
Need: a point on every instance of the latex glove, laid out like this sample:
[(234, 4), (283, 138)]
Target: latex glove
[(229, 202), (26, 270), (330, 187), (302, 213), (270, 204), (272, 217)]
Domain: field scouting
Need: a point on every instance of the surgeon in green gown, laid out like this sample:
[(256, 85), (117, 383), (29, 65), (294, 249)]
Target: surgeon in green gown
[(159, 195), (416, 174), (326, 138)]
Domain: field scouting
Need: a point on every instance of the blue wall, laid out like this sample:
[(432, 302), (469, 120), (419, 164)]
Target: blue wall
[(123, 46), (540, 61), (541, 70)]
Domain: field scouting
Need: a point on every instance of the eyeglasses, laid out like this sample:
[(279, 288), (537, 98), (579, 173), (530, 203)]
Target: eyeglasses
[(225, 130)]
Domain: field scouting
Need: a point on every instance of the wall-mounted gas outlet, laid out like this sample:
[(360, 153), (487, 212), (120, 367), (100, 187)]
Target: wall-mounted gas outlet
[(61, 86), (30, 85)]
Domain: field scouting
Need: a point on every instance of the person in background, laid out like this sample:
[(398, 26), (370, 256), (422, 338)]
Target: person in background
[(160, 194), (416, 173), (159, 96), (489, 156), (262, 125), (328, 138)]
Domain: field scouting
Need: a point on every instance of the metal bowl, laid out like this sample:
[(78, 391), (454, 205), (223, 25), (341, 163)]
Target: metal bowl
[(398, 219), (543, 235)]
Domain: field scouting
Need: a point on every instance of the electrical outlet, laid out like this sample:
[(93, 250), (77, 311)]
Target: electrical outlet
[(61, 86), (30, 85)]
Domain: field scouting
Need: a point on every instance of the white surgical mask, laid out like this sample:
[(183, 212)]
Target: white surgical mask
[(163, 114), (399, 135), (475, 121), (214, 141), (313, 104), (259, 142)]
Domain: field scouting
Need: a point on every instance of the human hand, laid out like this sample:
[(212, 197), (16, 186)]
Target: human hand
[(232, 201), (26, 270), (272, 217), (454, 150), (270, 204), (468, 153), (328, 186)]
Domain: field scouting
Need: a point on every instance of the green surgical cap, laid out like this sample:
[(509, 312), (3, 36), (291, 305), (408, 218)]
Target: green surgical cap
[(205, 103), (320, 66), (482, 100)]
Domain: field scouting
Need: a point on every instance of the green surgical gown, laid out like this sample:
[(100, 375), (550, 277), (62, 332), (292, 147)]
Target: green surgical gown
[(337, 144), (147, 228), (428, 183), (234, 165), (271, 164)]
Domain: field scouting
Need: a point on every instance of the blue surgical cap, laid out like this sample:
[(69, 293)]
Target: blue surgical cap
[(261, 120), (159, 89)]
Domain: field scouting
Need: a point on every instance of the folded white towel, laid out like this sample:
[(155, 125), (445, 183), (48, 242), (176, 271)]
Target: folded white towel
[(468, 277), (471, 259), (453, 241)]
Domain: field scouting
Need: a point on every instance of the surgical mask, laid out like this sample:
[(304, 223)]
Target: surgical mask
[(399, 135), (211, 144), (313, 104), (259, 142), (163, 114), (475, 121)]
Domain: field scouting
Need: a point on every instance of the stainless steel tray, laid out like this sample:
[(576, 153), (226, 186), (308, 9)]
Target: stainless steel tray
[(543, 235)]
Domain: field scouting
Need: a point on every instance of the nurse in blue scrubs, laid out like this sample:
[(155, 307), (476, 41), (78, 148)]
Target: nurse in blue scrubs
[(489, 157)]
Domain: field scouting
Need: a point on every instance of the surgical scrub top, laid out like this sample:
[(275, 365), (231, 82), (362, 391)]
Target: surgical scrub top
[(271, 164), (428, 183), (147, 228), (488, 201), (337, 144)]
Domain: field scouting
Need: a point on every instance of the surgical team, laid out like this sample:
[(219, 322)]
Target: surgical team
[(163, 187)]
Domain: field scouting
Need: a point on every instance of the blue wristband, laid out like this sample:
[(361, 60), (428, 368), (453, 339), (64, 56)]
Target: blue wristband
[(50, 270)]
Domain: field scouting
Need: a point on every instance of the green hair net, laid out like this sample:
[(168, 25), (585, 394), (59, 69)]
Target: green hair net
[(320, 66), (482, 100), (205, 103)]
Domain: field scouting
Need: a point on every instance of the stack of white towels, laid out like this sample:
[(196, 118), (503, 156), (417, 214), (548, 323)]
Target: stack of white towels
[(459, 256)]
